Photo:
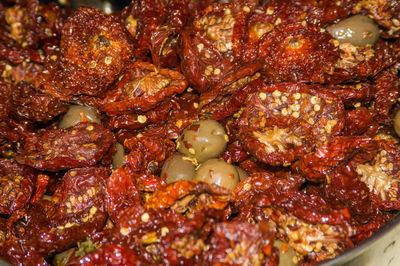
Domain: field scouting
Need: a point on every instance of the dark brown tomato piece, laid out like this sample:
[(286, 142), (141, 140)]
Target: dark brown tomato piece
[(312, 241), (142, 87), (386, 13), (95, 49), (189, 197), (241, 243), (5, 99), (282, 189), (82, 191), (164, 236), (234, 152), (18, 254), (359, 63), (358, 121), (353, 95), (141, 119), (282, 122), (210, 46), (296, 53), (24, 71), (29, 22), (33, 105), (271, 14), (17, 184), (143, 19), (185, 110), (228, 96), (75, 212), (381, 174), (121, 193), (17, 21), (316, 165), (386, 94), (84, 144), (164, 40), (147, 154)]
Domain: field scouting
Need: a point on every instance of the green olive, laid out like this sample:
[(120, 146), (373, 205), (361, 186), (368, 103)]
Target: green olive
[(285, 254), (358, 30), (73, 116), (119, 156), (242, 173), (396, 122), (178, 167), (203, 140), (219, 172)]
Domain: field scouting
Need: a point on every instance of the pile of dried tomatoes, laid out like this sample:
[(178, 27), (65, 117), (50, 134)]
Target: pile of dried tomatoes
[(189, 132)]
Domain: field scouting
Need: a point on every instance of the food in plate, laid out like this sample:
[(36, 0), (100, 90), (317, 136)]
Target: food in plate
[(197, 132)]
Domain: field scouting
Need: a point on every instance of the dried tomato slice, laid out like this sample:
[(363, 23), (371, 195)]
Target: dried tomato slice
[(84, 144), (284, 121), (142, 87)]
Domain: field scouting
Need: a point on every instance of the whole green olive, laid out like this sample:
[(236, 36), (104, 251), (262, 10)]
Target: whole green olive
[(178, 167), (119, 156), (73, 116), (358, 30), (202, 140), (396, 123), (219, 172)]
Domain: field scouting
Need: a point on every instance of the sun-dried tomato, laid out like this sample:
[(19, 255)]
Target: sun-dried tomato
[(211, 44), (188, 197), (228, 96), (385, 13), (284, 121), (297, 53), (17, 184), (241, 243), (75, 211), (121, 193), (165, 236), (33, 105), (142, 87), (367, 183), (360, 63), (84, 144), (95, 49), (141, 119), (357, 121), (316, 165)]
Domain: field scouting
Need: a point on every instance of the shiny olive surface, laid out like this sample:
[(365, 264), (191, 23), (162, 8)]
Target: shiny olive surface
[(203, 140), (119, 156), (178, 167), (73, 116), (219, 172), (358, 30), (396, 123)]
